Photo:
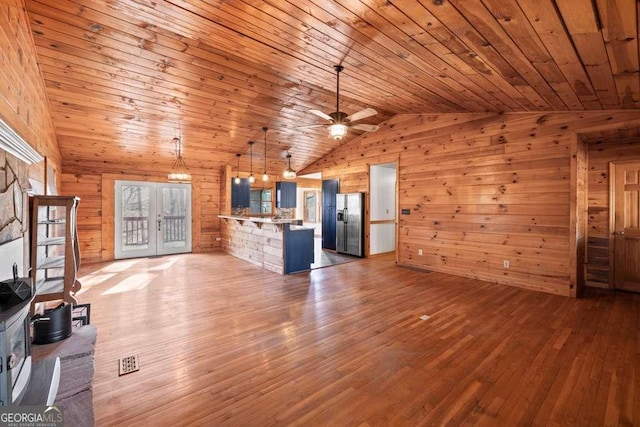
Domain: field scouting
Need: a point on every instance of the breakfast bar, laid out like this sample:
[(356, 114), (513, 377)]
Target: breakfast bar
[(280, 245)]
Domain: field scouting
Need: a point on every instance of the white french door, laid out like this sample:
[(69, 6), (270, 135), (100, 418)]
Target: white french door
[(152, 218)]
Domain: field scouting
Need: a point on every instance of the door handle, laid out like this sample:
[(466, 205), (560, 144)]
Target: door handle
[(159, 224), (619, 233)]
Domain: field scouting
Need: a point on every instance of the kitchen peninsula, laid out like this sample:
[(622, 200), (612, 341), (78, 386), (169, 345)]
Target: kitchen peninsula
[(280, 245)]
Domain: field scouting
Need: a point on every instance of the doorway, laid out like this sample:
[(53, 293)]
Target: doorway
[(382, 208), (625, 225), (152, 218)]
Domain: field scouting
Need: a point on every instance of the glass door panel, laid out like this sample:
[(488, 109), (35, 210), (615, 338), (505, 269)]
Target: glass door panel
[(134, 225), (175, 208)]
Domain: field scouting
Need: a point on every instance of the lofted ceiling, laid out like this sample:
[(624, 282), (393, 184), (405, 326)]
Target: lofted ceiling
[(124, 77)]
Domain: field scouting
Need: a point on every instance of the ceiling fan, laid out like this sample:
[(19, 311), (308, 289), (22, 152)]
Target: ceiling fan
[(340, 122)]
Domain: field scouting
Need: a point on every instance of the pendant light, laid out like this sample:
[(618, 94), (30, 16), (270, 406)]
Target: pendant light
[(251, 177), (179, 171), (289, 173), (265, 177), (237, 179)]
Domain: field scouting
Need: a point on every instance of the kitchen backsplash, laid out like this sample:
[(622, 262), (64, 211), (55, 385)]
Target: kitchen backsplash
[(239, 211), (285, 213)]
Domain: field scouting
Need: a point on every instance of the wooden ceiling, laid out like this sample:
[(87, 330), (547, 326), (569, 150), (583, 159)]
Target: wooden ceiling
[(126, 76)]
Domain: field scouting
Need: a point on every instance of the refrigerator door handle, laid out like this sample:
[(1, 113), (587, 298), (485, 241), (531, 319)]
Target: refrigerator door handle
[(346, 215)]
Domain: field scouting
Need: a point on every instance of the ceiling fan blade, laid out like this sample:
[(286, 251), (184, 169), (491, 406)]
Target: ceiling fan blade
[(365, 127), (367, 112), (310, 126), (321, 114)]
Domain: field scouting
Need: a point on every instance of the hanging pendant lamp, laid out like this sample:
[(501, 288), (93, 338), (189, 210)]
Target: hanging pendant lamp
[(265, 177), (289, 173), (237, 178), (179, 172), (251, 177)]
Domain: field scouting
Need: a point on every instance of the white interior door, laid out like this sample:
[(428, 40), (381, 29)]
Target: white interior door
[(152, 219)]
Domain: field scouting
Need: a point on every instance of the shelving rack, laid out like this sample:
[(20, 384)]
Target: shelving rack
[(55, 255)]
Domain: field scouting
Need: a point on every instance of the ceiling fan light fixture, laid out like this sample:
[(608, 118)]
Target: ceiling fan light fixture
[(339, 121), (337, 131), (288, 172), (179, 172)]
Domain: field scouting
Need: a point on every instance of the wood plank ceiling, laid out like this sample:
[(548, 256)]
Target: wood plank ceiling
[(126, 76)]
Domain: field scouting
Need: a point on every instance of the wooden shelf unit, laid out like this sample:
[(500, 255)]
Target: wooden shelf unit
[(55, 255)]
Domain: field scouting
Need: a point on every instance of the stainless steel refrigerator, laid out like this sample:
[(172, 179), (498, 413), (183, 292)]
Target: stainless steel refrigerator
[(350, 223)]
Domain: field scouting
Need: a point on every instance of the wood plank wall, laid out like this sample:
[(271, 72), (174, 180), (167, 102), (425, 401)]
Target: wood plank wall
[(600, 154), (481, 189), (89, 189), (96, 210), (23, 100)]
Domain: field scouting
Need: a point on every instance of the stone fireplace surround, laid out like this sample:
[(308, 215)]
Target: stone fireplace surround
[(13, 215)]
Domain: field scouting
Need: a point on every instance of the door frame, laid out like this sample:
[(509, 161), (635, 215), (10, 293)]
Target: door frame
[(578, 216), (154, 240), (612, 216), (395, 221)]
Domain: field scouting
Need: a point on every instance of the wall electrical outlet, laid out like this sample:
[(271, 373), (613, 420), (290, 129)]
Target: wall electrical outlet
[(420, 252), (505, 263)]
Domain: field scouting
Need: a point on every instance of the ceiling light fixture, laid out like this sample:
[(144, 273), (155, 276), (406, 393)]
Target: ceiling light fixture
[(179, 171), (251, 177), (289, 173), (265, 177), (338, 130), (237, 179)]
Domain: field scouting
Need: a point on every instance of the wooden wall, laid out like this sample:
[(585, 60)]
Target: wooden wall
[(600, 154), (23, 100), (96, 211), (482, 189)]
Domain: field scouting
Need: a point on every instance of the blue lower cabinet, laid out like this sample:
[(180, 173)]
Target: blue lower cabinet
[(298, 249)]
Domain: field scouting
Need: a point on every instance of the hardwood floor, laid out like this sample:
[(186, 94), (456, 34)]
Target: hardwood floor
[(222, 342)]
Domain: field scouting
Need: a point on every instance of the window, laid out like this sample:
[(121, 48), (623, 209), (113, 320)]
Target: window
[(310, 206)]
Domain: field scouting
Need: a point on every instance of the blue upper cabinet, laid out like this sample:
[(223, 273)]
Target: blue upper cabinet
[(240, 193), (286, 194)]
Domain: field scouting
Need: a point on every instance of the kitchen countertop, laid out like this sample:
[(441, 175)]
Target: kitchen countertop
[(300, 227), (262, 220)]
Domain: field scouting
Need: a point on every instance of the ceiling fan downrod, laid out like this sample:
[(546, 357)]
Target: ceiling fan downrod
[(338, 69)]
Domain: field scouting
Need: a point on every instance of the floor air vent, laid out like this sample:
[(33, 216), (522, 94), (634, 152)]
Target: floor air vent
[(128, 364)]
